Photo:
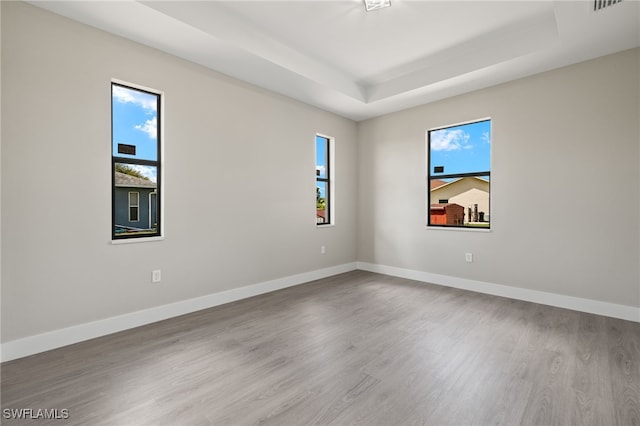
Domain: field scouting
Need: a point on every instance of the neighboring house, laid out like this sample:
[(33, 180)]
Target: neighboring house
[(436, 183), (135, 203), (321, 216), (467, 192)]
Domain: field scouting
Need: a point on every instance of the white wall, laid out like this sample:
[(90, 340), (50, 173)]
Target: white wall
[(239, 189), (560, 140)]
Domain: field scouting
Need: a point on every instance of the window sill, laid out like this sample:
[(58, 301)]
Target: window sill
[(459, 229), (136, 240), (328, 225)]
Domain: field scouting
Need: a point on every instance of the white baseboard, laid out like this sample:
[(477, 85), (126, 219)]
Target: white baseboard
[(630, 313), (55, 339)]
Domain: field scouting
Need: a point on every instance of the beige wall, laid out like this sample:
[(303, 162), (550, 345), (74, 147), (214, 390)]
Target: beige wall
[(239, 190), (559, 140)]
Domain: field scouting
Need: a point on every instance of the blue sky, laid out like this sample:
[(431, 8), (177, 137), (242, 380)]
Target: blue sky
[(321, 155), (135, 119), (462, 149), (321, 161)]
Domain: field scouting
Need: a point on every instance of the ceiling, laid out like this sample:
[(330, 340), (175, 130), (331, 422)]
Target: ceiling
[(334, 55)]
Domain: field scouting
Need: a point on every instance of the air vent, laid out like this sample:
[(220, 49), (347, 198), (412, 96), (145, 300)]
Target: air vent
[(603, 4)]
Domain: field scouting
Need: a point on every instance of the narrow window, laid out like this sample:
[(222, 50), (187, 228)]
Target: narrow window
[(135, 162), (324, 180), (134, 206), (459, 175)]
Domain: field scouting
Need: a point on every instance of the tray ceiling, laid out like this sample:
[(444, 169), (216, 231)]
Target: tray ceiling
[(334, 55)]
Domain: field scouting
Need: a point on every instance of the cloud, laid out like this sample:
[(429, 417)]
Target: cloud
[(124, 95), (150, 127), (486, 137), (147, 171), (450, 140)]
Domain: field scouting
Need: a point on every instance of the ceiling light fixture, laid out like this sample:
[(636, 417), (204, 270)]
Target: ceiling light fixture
[(370, 5)]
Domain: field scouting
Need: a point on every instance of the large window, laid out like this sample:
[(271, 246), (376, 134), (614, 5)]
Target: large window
[(324, 180), (459, 175), (135, 160)]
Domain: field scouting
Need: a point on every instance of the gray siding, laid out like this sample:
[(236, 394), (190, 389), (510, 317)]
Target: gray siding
[(122, 208)]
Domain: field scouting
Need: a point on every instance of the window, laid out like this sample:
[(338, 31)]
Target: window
[(459, 175), (134, 206), (135, 162), (324, 180)]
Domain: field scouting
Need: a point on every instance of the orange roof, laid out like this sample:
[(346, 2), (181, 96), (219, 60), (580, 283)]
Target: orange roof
[(434, 183)]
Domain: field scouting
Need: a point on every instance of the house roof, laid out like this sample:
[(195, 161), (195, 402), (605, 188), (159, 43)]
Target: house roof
[(125, 180), (434, 183), (453, 182), (443, 206)]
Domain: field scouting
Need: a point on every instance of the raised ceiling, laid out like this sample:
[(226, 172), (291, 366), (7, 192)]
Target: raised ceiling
[(334, 55)]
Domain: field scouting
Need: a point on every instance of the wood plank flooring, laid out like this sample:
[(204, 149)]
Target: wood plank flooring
[(354, 349)]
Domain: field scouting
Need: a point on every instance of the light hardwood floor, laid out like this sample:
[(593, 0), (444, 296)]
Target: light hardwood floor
[(358, 348)]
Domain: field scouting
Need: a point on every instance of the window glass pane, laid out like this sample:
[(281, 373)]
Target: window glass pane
[(134, 123), (467, 205), (322, 207), (460, 175), (460, 149), (322, 151), (135, 199)]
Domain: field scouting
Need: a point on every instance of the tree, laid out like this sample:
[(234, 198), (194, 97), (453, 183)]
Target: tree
[(128, 170), (321, 203)]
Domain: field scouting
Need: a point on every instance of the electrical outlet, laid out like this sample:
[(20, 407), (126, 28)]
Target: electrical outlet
[(323, 249), (156, 276), (468, 257)]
